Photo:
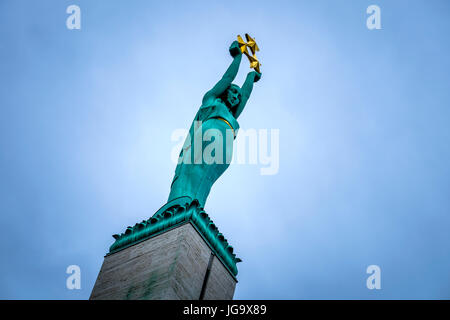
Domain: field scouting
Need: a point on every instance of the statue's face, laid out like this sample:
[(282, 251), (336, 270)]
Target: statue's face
[(234, 96)]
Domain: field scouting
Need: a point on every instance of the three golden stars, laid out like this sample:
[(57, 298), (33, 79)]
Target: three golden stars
[(254, 63)]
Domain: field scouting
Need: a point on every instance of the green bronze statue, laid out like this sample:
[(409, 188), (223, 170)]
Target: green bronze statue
[(205, 155), (216, 120)]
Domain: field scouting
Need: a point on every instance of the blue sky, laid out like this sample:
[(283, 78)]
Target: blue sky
[(87, 117)]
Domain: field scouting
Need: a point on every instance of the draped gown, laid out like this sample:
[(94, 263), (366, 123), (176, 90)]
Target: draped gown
[(194, 174)]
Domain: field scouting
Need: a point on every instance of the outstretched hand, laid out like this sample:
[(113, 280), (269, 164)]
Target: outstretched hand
[(257, 76), (234, 49)]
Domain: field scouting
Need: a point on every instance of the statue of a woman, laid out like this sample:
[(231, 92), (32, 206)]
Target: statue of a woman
[(215, 120)]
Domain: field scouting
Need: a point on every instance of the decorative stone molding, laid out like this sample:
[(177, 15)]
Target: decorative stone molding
[(175, 213)]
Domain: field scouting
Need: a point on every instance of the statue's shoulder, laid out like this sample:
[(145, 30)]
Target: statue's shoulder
[(210, 107), (213, 104)]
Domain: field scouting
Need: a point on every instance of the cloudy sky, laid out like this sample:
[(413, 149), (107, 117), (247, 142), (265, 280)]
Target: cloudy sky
[(364, 140)]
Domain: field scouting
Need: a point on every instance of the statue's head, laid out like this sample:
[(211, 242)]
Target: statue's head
[(232, 96)]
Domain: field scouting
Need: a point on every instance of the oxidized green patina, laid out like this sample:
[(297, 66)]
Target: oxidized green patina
[(215, 125), (175, 213), (200, 165)]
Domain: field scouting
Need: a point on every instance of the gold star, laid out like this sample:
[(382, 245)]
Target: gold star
[(242, 44), (254, 63), (251, 43)]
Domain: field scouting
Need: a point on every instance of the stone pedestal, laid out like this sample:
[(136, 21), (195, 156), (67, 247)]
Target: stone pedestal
[(176, 263)]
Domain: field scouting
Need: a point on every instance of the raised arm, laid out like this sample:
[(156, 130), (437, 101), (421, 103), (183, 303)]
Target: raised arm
[(246, 90), (229, 75)]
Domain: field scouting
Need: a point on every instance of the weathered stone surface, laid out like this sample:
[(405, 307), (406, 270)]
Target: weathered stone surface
[(171, 265), (220, 285)]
